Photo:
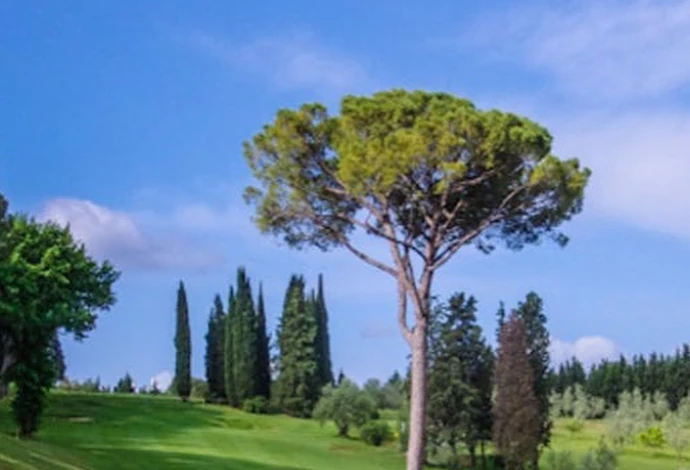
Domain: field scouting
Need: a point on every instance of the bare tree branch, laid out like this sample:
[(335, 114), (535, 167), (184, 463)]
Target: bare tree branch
[(402, 313)]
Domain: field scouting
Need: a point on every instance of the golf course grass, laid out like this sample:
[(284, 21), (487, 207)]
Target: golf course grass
[(82, 431)]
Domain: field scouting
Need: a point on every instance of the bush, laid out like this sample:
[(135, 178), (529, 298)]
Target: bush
[(574, 425), (602, 458), (256, 405), (375, 433), (345, 405), (652, 437), (560, 461)]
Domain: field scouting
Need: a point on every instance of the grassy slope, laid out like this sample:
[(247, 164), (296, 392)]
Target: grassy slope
[(134, 432), (130, 432)]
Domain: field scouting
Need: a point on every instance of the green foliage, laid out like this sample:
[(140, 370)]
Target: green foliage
[(375, 433), (244, 340), (214, 356), (346, 405), (200, 389), (322, 342), (652, 437), (88, 385), (674, 430), (125, 385), (601, 458), (263, 360), (183, 346), (48, 283), (574, 425), (255, 405), (297, 386), (229, 351), (460, 377), (560, 461)]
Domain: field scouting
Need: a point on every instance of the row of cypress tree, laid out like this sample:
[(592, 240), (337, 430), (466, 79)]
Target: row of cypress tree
[(238, 351)]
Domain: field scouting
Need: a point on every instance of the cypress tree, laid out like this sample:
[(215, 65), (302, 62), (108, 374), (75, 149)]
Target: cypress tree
[(214, 351), (183, 346), (517, 420), (57, 356), (323, 341), (228, 349), (245, 340), (531, 313), (297, 385), (263, 363)]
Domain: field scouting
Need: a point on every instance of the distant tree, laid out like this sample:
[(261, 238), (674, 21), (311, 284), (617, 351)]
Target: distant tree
[(125, 385), (214, 352), (245, 341), (297, 385), (393, 392), (263, 362), (345, 405), (229, 351), (49, 282), (460, 378), (183, 346), (322, 340), (372, 387), (200, 389), (531, 312), (341, 377), (517, 421), (428, 173)]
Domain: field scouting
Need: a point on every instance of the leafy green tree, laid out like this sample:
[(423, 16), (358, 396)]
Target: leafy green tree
[(214, 352), (183, 347), (429, 173), (674, 429), (245, 341), (460, 375), (200, 389), (372, 387), (297, 383), (323, 341), (393, 392), (57, 356), (517, 422), (125, 385), (263, 362), (48, 283), (345, 405)]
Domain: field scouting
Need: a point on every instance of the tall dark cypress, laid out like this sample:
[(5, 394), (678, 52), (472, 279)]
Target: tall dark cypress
[(228, 351), (263, 363), (183, 346), (297, 385), (323, 341), (214, 351)]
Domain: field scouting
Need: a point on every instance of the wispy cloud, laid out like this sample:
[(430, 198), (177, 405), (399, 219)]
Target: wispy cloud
[(291, 61), (604, 50), (120, 237)]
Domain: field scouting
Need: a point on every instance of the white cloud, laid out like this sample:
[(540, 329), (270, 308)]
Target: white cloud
[(118, 236), (294, 61), (162, 379), (608, 49), (640, 163), (588, 349)]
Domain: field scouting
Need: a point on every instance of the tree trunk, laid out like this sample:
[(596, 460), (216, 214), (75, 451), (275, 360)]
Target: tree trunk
[(483, 452), (415, 446)]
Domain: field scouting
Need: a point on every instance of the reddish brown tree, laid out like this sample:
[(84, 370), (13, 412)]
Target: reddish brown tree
[(517, 427)]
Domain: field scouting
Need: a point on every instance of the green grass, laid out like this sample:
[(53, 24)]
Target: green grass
[(143, 432), (83, 431)]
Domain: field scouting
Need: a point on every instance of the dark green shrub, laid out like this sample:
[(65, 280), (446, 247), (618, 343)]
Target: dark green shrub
[(560, 461), (256, 405), (602, 458), (375, 433)]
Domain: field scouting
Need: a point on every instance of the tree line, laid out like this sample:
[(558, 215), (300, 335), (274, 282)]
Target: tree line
[(239, 368)]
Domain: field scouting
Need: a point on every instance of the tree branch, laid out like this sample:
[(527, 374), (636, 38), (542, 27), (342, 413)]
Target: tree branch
[(402, 314)]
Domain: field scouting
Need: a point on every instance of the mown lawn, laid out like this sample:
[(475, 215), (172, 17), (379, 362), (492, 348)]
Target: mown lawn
[(142, 432)]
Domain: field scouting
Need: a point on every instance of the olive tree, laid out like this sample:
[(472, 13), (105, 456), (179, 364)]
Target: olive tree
[(428, 173)]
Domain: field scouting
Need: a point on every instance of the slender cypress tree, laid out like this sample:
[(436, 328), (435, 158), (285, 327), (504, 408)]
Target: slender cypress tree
[(245, 341), (323, 341), (517, 421), (297, 385), (263, 363), (214, 351), (183, 346), (228, 350)]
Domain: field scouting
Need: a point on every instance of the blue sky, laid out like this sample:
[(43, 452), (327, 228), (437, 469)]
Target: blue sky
[(126, 119)]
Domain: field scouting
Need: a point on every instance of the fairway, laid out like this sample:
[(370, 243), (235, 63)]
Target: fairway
[(84, 431)]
